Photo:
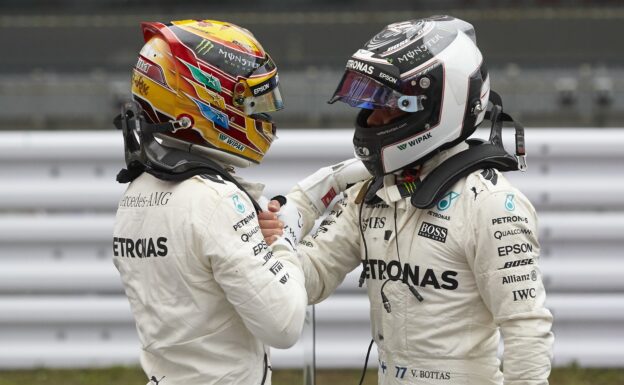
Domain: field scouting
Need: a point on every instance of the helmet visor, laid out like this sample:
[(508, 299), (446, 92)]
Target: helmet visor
[(358, 90), (268, 101), (264, 88)]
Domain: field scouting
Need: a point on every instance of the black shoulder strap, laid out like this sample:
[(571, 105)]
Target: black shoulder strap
[(144, 153), (478, 156)]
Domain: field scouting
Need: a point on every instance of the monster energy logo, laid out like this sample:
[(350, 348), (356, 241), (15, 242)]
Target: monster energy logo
[(408, 188), (204, 47)]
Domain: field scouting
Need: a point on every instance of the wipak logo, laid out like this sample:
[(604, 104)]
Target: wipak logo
[(414, 142)]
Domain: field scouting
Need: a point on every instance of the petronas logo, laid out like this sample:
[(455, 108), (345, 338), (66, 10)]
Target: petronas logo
[(204, 47)]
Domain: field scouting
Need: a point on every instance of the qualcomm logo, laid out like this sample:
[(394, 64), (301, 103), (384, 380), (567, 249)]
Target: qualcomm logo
[(447, 201)]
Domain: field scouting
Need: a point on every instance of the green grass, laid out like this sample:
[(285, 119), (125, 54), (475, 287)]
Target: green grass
[(134, 376)]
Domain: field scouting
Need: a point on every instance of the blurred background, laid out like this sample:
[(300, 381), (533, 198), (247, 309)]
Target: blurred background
[(65, 68), (66, 64)]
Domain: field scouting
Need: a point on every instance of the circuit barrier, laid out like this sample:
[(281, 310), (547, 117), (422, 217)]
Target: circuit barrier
[(62, 304)]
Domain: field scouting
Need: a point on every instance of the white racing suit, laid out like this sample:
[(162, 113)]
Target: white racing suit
[(207, 293), (474, 260)]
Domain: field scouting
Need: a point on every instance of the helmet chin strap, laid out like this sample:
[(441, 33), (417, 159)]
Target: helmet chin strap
[(225, 160), (480, 155), (171, 160)]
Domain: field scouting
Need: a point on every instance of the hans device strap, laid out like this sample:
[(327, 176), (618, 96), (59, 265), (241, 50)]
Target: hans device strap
[(480, 154), (143, 153)]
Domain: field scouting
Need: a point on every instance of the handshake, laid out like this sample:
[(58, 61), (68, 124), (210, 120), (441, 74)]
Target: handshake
[(282, 223)]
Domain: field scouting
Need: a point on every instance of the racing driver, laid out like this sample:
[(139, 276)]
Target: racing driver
[(208, 295), (448, 246)]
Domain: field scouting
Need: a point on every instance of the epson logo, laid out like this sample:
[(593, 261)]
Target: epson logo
[(431, 231), (257, 249), (518, 248), (261, 89), (359, 66), (389, 78)]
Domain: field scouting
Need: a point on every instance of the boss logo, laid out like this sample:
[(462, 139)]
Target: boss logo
[(431, 231)]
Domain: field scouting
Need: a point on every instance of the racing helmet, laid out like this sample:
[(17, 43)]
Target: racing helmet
[(217, 80), (433, 71)]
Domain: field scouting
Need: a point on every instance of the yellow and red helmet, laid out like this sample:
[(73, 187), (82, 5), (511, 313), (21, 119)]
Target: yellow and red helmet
[(217, 75)]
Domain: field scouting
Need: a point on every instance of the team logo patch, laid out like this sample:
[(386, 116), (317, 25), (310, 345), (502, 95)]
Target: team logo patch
[(238, 205), (509, 203), (447, 201)]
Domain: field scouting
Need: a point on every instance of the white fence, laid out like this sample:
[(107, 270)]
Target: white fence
[(62, 305)]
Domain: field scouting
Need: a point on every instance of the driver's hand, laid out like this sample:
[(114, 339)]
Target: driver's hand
[(271, 227)]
